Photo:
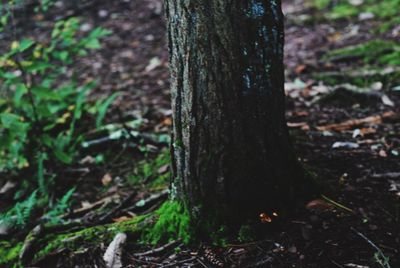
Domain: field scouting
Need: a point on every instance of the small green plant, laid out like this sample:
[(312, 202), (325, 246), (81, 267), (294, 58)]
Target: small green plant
[(149, 170), (381, 259), (37, 111), (43, 105), (60, 208), (44, 5), (20, 214)]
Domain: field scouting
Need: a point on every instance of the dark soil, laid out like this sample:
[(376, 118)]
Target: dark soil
[(362, 179)]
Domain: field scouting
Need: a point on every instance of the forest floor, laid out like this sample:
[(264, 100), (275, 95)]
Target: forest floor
[(343, 99)]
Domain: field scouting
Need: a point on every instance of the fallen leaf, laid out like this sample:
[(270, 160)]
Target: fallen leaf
[(163, 169), (107, 179), (296, 124), (121, 219), (113, 254), (319, 205), (382, 153), (387, 101), (9, 185), (366, 16), (300, 69), (301, 113), (167, 121), (153, 64), (345, 145), (87, 160)]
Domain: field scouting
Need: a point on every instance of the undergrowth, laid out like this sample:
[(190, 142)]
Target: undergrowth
[(374, 51), (44, 110), (385, 10), (342, 8), (152, 170)]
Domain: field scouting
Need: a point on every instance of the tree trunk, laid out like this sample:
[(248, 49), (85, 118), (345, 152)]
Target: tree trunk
[(232, 158)]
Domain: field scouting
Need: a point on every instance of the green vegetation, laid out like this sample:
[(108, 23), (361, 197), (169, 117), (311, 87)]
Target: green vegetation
[(44, 110), (9, 254), (342, 9), (246, 234), (374, 51), (74, 241), (153, 170), (173, 223), (363, 78), (374, 57)]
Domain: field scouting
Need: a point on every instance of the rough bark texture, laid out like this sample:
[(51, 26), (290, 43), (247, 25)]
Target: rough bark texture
[(232, 157)]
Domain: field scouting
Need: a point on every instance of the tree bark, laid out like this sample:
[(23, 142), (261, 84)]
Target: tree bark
[(232, 158)]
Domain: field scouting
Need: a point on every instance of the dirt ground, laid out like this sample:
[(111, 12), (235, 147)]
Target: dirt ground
[(357, 160)]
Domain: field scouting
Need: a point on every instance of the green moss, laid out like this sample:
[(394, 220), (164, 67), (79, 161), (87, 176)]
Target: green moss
[(362, 78), (344, 9), (9, 254), (374, 51), (173, 223), (246, 234), (87, 237), (176, 222), (321, 4), (373, 56), (387, 25)]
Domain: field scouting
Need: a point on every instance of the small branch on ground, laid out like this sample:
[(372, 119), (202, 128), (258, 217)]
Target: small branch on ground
[(157, 250)]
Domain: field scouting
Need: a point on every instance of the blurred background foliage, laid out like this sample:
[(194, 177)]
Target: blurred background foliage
[(44, 113)]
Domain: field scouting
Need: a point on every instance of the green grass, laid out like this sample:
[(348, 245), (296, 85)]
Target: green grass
[(383, 9), (379, 52), (149, 170)]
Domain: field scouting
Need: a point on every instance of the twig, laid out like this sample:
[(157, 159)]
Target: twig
[(124, 125), (337, 204), (123, 204), (180, 262), (249, 244), (27, 251), (201, 262), (157, 250), (150, 200), (389, 175), (337, 264)]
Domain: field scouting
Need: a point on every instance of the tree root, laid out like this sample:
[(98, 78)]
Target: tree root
[(50, 241)]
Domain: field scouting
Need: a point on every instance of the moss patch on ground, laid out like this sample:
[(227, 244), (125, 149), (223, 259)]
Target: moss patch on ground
[(374, 51), (362, 78), (382, 9), (9, 254), (377, 61), (173, 223), (73, 241), (90, 236)]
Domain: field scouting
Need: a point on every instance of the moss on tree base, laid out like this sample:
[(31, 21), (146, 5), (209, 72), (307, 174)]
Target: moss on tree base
[(173, 223)]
